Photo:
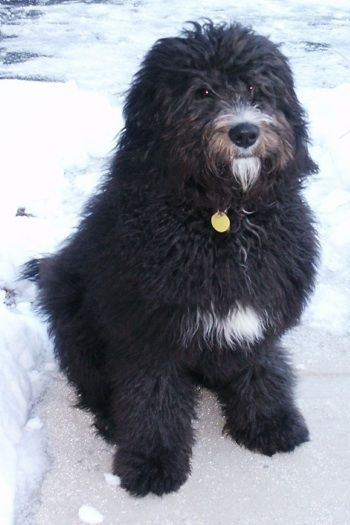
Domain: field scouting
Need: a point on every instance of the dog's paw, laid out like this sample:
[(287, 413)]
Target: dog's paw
[(268, 435), (159, 473)]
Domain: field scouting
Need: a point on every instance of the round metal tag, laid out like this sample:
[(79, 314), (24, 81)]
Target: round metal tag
[(220, 222)]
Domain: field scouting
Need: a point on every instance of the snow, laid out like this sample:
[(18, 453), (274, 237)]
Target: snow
[(23, 351), (56, 138), (44, 162), (329, 196), (88, 514), (34, 423), (112, 480)]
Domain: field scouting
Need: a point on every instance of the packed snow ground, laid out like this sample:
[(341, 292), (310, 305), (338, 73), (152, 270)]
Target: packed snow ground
[(55, 142)]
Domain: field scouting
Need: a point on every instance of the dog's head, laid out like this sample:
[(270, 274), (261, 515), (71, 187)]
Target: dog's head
[(215, 110)]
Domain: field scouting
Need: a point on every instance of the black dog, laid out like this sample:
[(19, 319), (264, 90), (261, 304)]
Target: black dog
[(194, 258)]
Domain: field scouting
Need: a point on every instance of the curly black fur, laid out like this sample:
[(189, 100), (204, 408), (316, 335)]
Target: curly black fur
[(138, 298)]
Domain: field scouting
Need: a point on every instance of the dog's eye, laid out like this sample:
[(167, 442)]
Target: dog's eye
[(251, 90), (203, 93)]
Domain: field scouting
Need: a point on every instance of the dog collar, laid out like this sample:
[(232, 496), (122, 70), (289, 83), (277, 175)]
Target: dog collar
[(220, 221)]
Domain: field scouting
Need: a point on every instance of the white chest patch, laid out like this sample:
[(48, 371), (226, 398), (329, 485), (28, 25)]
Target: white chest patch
[(242, 324)]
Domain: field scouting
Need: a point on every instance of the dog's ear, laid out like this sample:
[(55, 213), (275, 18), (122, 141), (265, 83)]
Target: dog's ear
[(149, 94), (288, 102), (141, 110), (304, 163), (149, 101), (295, 114)]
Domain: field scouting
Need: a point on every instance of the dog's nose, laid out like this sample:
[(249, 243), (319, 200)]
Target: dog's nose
[(244, 134)]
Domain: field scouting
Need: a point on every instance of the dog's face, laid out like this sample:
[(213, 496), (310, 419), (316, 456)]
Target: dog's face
[(242, 129), (218, 106)]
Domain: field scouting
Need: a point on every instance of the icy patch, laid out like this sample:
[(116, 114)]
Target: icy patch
[(88, 514)]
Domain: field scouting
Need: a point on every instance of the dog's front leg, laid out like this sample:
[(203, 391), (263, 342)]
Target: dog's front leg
[(153, 407), (258, 403)]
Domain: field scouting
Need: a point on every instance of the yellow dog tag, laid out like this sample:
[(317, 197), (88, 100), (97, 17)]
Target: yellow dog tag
[(220, 222)]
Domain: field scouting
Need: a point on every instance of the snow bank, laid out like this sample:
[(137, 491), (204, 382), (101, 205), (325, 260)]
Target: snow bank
[(47, 132), (329, 196), (23, 355)]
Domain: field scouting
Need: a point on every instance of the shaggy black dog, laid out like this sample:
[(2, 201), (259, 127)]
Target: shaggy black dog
[(192, 260)]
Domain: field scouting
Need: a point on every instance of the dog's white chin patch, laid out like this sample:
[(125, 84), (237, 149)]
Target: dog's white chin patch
[(246, 170), (242, 324)]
